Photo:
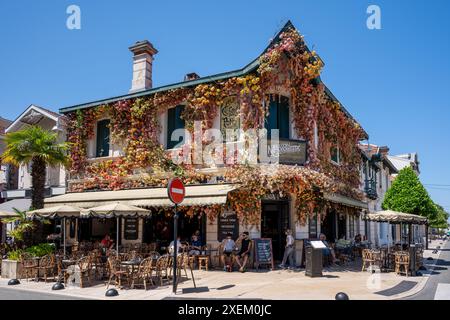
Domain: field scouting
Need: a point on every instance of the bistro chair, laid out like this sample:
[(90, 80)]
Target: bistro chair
[(62, 272), (401, 262), (85, 269), (29, 267), (368, 258), (47, 266), (115, 272), (161, 269), (144, 273)]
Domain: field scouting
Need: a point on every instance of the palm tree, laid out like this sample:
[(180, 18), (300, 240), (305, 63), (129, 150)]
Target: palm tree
[(23, 225), (38, 147)]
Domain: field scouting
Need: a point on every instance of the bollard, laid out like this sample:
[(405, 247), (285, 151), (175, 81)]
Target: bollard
[(111, 293), (13, 282), (341, 296), (58, 286)]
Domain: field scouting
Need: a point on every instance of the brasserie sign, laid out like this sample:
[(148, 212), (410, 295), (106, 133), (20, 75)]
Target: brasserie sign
[(289, 151)]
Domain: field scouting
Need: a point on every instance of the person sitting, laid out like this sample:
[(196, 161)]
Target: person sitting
[(195, 245), (328, 251), (172, 246), (228, 245), (107, 243), (244, 252)]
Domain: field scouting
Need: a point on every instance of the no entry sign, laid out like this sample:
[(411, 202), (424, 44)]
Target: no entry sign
[(176, 190)]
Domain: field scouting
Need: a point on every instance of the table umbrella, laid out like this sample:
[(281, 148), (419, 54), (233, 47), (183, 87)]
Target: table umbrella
[(63, 211), (115, 210)]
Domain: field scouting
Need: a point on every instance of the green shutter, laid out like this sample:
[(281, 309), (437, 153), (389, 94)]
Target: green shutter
[(283, 118), (102, 149), (272, 118), (174, 122)]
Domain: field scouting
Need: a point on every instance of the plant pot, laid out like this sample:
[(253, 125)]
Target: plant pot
[(11, 269)]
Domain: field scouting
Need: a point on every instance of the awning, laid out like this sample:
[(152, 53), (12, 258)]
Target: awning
[(206, 194), (337, 198), (62, 211), (114, 210), (395, 217), (7, 208)]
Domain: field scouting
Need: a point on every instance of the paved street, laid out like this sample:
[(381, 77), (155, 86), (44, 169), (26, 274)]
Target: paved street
[(17, 294), (438, 285)]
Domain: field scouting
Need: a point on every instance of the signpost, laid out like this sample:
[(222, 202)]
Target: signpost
[(176, 193)]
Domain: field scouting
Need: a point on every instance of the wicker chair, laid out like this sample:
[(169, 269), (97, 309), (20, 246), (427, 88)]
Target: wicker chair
[(115, 272), (402, 262), (143, 274), (161, 268), (29, 267), (85, 269), (47, 266)]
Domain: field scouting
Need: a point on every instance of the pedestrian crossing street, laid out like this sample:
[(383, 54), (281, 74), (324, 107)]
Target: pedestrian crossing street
[(442, 291)]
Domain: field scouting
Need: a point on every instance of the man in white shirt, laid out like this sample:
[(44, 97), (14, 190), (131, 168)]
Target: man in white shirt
[(179, 246), (288, 251)]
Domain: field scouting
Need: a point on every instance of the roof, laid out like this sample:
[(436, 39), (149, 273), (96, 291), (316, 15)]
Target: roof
[(400, 162), (253, 65), (33, 112), (151, 197), (7, 208)]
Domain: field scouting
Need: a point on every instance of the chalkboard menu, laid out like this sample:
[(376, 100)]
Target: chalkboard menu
[(313, 227), (228, 222), (131, 228), (263, 252)]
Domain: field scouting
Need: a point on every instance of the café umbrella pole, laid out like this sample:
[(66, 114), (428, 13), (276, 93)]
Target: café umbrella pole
[(117, 236), (64, 235)]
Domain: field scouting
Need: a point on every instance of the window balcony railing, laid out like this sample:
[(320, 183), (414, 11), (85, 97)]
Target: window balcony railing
[(371, 188)]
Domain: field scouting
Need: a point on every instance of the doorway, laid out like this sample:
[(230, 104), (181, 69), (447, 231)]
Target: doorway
[(274, 222), (328, 226)]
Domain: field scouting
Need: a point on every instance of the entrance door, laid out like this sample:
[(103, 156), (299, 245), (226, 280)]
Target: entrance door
[(342, 226), (328, 226), (274, 222)]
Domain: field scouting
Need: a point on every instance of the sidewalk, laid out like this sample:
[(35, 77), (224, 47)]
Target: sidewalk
[(278, 284)]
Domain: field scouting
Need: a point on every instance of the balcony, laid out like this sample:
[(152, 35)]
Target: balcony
[(370, 189)]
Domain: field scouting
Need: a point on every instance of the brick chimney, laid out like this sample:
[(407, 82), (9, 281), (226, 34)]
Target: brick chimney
[(143, 52)]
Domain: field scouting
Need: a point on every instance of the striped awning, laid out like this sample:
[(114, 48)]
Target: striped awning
[(206, 194)]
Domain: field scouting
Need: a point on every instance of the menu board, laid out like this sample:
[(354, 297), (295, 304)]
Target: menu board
[(131, 228), (263, 252), (228, 222)]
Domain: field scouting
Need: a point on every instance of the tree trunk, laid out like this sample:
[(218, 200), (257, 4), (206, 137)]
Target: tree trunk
[(38, 175)]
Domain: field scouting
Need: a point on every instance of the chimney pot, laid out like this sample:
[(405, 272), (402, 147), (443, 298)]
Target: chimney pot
[(191, 76)]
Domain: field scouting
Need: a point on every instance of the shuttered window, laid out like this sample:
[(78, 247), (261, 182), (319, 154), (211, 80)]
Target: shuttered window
[(278, 117), (174, 122), (102, 149)]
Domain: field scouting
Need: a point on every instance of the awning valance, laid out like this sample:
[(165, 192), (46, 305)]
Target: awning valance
[(62, 211), (337, 198), (206, 194)]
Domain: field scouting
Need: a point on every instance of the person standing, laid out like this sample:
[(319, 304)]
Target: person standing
[(288, 251)]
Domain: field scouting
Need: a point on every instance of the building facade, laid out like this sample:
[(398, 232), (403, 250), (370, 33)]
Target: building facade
[(210, 132)]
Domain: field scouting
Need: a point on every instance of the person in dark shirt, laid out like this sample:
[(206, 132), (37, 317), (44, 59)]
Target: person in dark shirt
[(195, 246), (244, 252)]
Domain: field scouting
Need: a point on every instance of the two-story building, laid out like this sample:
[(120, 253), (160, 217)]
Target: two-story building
[(4, 123), (210, 132)]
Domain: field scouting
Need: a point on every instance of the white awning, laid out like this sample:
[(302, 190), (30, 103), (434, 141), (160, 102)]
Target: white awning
[(337, 198), (7, 208), (205, 194)]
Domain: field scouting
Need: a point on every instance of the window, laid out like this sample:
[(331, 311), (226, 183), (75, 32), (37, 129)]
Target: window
[(278, 117), (102, 149), (174, 122), (335, 155)]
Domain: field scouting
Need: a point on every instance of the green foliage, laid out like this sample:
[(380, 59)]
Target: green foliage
[(407, 194), (441, 220), (41, 249), (15, 255), (34, 142), (24, 225)]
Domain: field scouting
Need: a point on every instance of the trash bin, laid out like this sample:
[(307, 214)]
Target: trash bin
[(314, 262)]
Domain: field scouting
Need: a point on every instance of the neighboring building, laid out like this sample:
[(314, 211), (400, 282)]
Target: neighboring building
[(121, 145), (4, 123), (404, 160)]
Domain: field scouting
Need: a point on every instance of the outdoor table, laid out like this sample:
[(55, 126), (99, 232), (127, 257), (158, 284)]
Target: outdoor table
[(132, 264)]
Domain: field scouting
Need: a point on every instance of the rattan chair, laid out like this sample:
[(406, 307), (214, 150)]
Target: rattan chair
[(402, 262), (29, 267), (47, 266)]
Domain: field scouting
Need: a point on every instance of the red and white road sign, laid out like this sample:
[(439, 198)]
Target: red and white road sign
[(176, 190)]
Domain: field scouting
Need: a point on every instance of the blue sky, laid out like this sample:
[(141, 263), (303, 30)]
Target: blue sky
[(394, 80)]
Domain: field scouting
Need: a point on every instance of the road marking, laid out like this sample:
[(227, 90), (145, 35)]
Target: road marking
[(442, 291)]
